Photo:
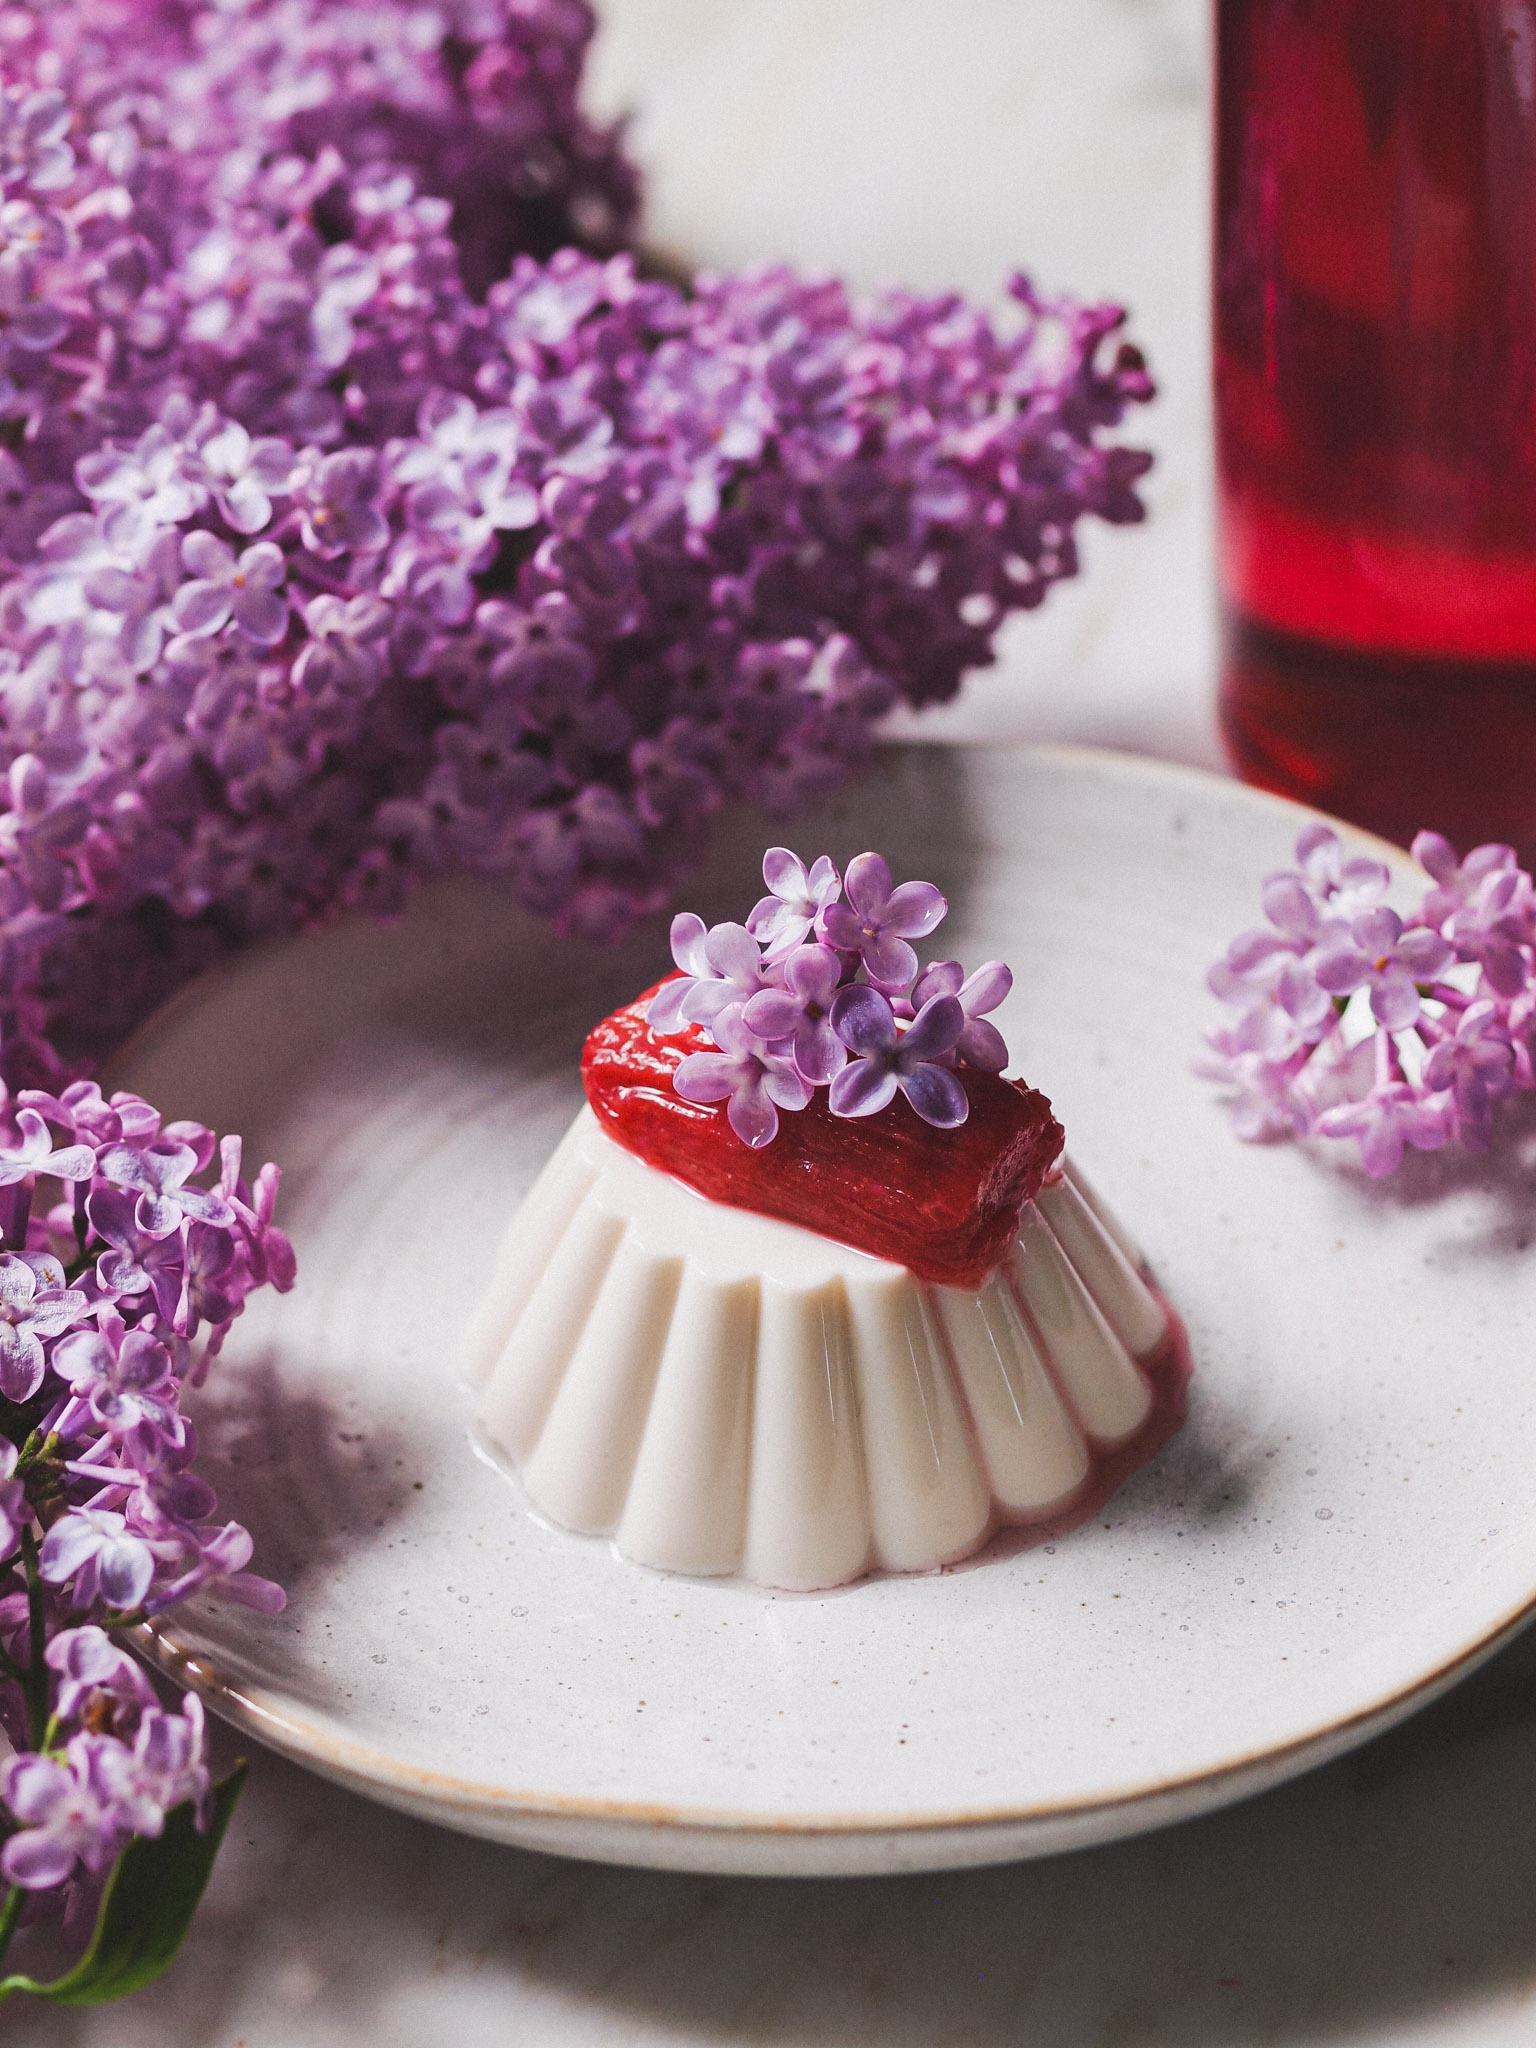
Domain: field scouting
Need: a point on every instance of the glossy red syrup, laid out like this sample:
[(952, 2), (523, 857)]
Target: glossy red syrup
[(945, 1204), (1375, 354)]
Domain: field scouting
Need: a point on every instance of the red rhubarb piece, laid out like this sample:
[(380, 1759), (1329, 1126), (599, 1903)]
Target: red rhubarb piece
[(944, 1203)]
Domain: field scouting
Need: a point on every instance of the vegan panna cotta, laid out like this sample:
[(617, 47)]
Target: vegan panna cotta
[(861, 1338)]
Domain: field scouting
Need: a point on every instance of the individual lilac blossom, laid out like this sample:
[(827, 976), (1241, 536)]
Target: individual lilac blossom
[(97, 1681), (1339, 886), (980, 1044), (67, 1815), (246, 588), (1393, 1115), (35, 1305), (724, 966), (877, 921), (886, 1059), (797, 896), (799, 1013), (95, 1552), (754, 1082), (1380, 956), (164, 1768), (122, 1376), (1457, 883), (37, 1154), (158, 1172), (1476, 1062)]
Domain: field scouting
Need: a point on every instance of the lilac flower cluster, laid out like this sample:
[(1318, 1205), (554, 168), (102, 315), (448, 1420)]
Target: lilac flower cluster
[(817, 991), (113, 1299), (1356, 1023), (354, 525)]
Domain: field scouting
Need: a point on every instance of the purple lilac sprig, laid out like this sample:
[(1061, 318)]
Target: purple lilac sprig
[(1353, 1021), (355, 523), (814, 991), (128, 1246)]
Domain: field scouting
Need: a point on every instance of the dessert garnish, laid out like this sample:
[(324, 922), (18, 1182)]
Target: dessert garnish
[(899, 1136)]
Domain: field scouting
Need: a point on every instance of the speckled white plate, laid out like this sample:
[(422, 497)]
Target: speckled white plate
[(1344, 1526)]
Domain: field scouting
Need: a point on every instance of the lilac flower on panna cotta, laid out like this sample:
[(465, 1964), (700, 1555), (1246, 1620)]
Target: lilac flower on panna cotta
[(888, 1059), (784, 918), (722, 966), (980, 1044), (877, 921), (800, 1013), (755, 1082)]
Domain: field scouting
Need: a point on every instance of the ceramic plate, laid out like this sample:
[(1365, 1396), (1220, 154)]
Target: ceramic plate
[(1343, 1527)]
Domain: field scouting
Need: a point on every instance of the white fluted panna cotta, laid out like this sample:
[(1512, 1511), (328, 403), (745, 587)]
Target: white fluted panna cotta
[(723, 1392)]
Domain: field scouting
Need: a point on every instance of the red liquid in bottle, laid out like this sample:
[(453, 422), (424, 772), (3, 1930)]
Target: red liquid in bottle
[(1375, 272)]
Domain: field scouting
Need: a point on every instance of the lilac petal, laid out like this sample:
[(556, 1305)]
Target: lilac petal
[(984, 990), (74, 1162), (127, 1570), (732, 951), (201, 607), (21, 1364), (1435, 855), (820, 1054), (813, 972), (1394, 999), (705, 1001), (36, 1861), (783, 1083), (941, 978), (688, 935), (890, 962), (1364, 878), (936, 1095), (784, 872), (867, 885), (982, 1045), (1377, 931), (84, 1356), (1288, 905), (69, 1544), (665, 1015), (935, 1030), (707, 1076), (206, 1206), (915, 909), (251, 1590), (861, 1089), (1381, 1147), (1425, 954), (261, 615), (773, 1013), (864, 1021), (208, 556), (753, 1117), (1341, 972)]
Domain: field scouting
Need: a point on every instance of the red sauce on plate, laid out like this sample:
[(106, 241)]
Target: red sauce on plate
[(945, 1204)]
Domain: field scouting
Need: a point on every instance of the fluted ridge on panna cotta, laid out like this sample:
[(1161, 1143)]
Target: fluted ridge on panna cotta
[(723, 1392)]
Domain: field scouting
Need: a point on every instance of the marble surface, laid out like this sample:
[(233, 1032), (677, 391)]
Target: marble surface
[(1389, 1898)]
